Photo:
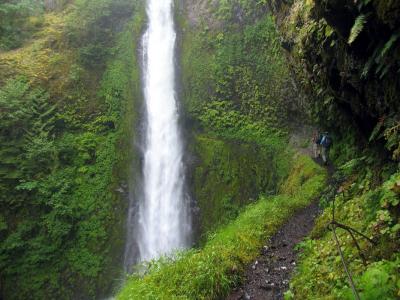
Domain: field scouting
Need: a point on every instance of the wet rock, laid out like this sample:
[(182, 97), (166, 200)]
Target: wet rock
[(255, 265)]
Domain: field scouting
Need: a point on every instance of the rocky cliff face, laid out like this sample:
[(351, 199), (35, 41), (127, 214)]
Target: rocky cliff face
[(346, 53)]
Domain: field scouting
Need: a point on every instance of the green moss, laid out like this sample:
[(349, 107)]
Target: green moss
[(210, 272), (234, 88), (121, 87), (243, 67), (228, 175), (18, 22)]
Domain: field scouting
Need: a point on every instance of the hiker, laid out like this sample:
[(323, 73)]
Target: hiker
[(326, 143), (316, 140)]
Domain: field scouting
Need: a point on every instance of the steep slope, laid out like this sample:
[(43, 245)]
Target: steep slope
[(346, 55), (237, 95), (67, 99)]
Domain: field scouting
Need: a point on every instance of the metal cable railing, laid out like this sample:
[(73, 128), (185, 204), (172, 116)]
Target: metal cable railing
[(333, 225)]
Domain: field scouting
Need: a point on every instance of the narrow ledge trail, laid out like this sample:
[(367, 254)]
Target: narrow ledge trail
[(267, 278)]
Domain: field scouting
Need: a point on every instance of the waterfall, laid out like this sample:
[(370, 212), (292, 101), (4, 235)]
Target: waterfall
[(163, 222)]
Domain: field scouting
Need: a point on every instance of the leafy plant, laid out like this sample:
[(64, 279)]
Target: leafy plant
[(370, 207), (358, 26), (378, 281)]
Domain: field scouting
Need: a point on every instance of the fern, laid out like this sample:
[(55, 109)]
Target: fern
[(368, 66), (380, 57), (357, 28), (389, 45), (376, 132)]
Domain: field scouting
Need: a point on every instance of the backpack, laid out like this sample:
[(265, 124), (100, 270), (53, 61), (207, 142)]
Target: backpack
[(319, 139), (326, 141)]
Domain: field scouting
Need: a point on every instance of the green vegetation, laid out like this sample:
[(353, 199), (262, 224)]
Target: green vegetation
[(369, 203), (236, 76), (18, 20), (69, 99), (64, 121), (236, 91), (345, 55), (210, 272), (244, 170)]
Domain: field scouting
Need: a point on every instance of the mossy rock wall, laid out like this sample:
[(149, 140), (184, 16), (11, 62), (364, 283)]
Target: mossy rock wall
[(237, 99), (346, 54), (227, 175)]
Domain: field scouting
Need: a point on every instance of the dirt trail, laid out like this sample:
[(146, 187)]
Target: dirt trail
[(268, 276)]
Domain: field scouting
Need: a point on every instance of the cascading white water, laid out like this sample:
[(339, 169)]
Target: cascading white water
[(163, 218)]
